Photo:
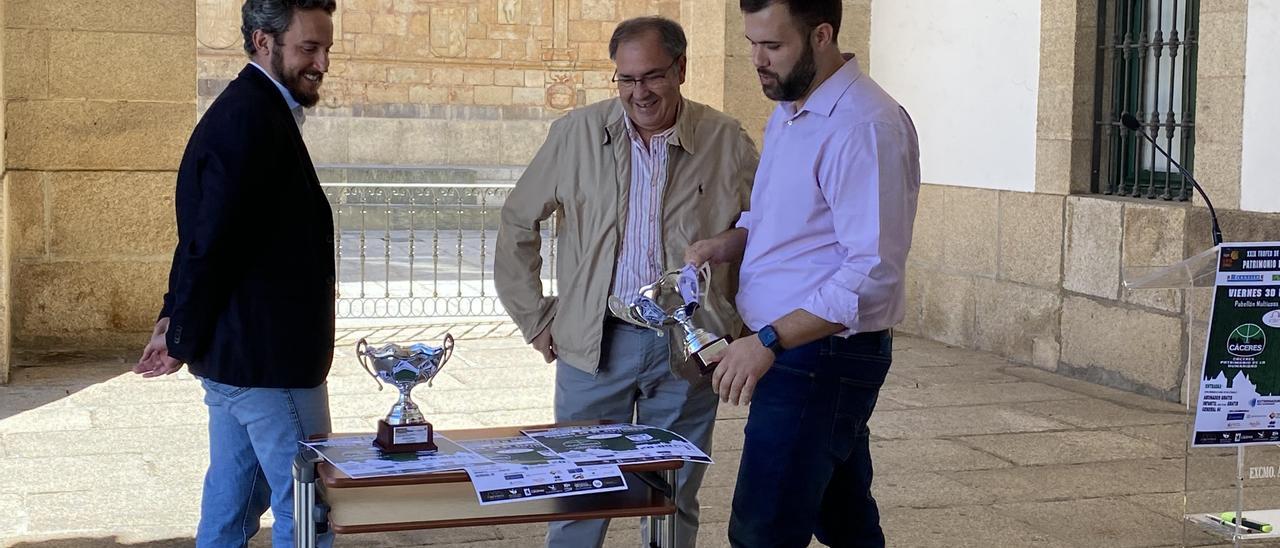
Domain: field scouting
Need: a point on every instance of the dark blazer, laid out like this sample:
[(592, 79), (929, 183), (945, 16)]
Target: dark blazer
[(251, 289)]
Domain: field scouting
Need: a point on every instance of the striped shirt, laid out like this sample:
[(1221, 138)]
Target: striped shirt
[(640, 260)]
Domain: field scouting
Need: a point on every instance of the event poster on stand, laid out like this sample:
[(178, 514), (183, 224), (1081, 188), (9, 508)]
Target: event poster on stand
[(1239, 401)]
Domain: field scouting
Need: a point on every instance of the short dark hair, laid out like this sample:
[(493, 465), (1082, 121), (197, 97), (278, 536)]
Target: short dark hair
[(273, 16), (810, 13), (670, 34)]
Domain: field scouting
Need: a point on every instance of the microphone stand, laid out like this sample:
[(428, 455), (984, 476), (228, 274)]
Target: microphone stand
[(1131, 123)]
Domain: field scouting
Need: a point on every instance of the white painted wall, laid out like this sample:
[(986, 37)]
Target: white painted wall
[(968, 72), (1260, 175)]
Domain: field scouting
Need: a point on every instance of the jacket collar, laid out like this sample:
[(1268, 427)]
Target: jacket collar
[(264, 85), (683, 136), (284, 92)]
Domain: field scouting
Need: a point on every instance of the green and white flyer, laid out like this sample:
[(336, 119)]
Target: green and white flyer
[(356, 456), (1239, 401), (524, 469), (617, 444), (516, 450)]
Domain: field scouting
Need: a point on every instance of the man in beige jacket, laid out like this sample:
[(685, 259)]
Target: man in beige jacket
[(634, 181)]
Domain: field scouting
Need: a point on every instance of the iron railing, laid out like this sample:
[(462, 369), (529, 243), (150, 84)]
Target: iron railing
[(421, 250), (1146, 63)]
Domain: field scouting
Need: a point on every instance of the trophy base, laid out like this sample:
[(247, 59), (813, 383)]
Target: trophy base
[(405, 438), (705, 357)]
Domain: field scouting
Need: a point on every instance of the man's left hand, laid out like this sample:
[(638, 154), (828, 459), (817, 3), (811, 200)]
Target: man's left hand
[(155, 360), (740, 368)]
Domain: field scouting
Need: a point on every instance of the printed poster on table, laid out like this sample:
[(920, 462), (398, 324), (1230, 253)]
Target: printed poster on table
[(356, 456), (524, 469), (1239, 401), (618, 444)]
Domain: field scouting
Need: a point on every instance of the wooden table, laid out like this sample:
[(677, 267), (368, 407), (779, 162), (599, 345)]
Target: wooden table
[(447, 499)]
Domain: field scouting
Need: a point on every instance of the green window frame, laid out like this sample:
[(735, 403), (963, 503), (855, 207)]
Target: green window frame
[(1147, 70)]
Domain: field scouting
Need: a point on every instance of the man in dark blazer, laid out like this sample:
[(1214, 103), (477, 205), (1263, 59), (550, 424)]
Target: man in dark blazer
[(250, 305)]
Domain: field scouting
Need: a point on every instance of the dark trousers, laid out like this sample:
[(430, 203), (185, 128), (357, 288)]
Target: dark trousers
[(806, 461)]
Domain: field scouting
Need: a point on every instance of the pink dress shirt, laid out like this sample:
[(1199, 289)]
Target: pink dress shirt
[(832, 209)]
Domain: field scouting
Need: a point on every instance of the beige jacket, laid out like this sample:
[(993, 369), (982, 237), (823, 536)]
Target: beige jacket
[(582, 173)]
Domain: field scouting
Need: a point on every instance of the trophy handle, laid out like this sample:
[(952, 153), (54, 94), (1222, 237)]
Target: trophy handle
[(361, 346), (620, 311), (705, 287), (447, 348)]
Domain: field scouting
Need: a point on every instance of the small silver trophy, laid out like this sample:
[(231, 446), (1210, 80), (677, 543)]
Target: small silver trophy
[(405, 428), (700, 345)]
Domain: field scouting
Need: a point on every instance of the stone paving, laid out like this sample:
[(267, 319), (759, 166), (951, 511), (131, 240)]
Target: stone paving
[(970, 450)]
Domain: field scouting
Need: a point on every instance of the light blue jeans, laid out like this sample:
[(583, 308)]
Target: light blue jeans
[(253, 438), (635, 384)]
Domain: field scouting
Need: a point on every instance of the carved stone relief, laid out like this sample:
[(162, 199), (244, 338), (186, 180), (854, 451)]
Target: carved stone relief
[(562, 94), (448, 31), (509, 12)]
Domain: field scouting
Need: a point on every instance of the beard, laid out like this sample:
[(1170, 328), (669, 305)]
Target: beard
[(294, 81), (796, 83)]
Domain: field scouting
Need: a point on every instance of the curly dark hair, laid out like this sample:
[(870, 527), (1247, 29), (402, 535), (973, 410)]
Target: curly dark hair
[(273, 16)]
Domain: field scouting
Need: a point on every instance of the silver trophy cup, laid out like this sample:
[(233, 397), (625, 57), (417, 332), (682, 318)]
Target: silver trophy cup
[(404, 428), (700, 345)]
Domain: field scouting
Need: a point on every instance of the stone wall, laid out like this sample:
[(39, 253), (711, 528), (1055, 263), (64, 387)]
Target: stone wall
[(469, 82), (1037, 277), (100, 101), (477, 82)]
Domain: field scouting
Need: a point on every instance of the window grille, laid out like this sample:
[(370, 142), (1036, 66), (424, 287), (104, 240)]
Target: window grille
[(1146, 63)]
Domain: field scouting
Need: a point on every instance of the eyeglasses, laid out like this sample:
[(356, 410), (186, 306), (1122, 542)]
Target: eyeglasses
[(651, 82)]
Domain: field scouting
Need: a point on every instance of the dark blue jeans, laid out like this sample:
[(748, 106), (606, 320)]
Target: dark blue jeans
[(806, 461)]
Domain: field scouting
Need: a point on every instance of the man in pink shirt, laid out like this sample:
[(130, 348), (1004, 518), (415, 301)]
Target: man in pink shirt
[(824, 250)]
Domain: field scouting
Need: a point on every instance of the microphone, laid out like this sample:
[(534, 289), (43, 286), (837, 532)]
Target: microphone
[(1131, 123)]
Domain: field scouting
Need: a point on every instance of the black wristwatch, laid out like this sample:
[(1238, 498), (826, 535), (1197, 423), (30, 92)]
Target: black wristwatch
[(769, 338)]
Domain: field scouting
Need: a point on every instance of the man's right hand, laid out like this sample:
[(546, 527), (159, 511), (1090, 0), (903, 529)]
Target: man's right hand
[(155, 360), (543, 343), (725, 247), (700, 252)]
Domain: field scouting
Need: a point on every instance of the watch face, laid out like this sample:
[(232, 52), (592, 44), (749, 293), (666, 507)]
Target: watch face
[(768, 336)]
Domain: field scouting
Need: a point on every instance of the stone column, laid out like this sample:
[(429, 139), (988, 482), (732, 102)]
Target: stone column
[(1064, 128), (4, 219), (855, 31), (704, 24), (100, 102), (1220, 101)]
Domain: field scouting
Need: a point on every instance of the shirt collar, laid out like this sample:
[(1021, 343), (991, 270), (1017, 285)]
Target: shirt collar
[(681, 134), (823, 100), (634, 134), (288, 97)]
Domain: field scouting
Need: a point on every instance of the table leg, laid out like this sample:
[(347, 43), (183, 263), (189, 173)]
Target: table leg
[(654, 527), (662, 529), (669, 531), (304, 498)]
